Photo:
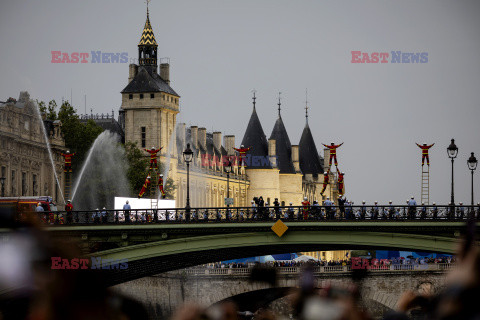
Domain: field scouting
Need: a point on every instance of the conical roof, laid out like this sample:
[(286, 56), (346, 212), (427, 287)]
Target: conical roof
[(310, 161), (283, 147), (147, 39), (255, 139)]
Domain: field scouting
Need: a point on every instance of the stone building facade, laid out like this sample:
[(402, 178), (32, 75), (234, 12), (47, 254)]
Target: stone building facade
[(275, 168), (24, 159)]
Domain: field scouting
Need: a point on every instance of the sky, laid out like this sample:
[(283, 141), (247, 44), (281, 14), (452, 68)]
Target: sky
[(221, 50)]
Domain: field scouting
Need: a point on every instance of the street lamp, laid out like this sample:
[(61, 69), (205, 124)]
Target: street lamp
[(452, 152), (188, 157), (2, 181), (228, 169), (472, 165)]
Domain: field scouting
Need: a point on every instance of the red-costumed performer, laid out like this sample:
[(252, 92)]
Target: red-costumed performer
[(242, 153), (153, 157), (341, 185), (306, 208), (333, 153), (325, 181), (160, 185), (68, 160), (425, 148), (144, 187)]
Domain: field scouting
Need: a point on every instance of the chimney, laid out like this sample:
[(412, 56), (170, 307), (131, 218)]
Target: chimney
[(296, 162), (202, 137), (272, 146), (132, 71), (326, 156), (194, 136), (217, 140), (165, 72), (181, 135), (229, 144)]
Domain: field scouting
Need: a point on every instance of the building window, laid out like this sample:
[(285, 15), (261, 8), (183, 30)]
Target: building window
[(152, 95), (144, 137), (141, 95), (130, 96), (34, 184)]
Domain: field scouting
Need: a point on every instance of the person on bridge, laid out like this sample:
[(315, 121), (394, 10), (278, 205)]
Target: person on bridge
[(391, 210), (341, 206), (375, 211), (242, 154), (341, 185), (412, 208), (325, 181), (145, 186), (425, 148), (306, 208), (329, 213), (276, 206), (363, 211), (69, 209), (333, 153), (423, 212), (160, 185), (126, 210), (348, 210), (153, 157), (434, 211), (460, 211), (68, 160)]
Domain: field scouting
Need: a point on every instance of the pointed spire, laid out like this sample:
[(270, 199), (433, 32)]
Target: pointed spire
[(306, 106), (147, 35), (279, 103), (254, 98)]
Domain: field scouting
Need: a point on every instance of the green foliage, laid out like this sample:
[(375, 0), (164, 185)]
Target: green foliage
[(138, 170), (79, 137), (50, 111)]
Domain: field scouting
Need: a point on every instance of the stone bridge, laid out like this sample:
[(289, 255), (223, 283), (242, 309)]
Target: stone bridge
[(157, 248), (164, 293)]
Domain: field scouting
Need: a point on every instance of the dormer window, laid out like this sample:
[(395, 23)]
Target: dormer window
[(130, 96), (152, 95), (141, 95)]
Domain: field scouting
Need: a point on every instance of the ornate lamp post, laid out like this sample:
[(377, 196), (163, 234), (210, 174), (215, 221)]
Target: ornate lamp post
[(228, 169), (2, 181), (188, 157), (472, 165), (452, 152)]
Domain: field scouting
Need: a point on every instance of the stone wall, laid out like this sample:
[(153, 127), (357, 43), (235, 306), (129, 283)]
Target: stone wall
[(162, 294)]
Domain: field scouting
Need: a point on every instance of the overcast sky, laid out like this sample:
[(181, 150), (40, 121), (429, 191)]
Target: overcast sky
[(221, 50)]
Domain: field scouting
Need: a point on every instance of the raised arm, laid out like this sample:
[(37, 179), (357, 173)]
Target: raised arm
[(431, 145)]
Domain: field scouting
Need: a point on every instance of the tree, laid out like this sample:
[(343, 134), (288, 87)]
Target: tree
[(138, 170), (78, 137)]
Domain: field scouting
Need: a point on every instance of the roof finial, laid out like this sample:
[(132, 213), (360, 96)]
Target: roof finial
[(306, 105), (147, 1), (254, 98), (279, 103)]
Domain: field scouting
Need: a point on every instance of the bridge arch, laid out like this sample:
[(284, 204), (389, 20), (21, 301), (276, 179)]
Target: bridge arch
[(160, 256)]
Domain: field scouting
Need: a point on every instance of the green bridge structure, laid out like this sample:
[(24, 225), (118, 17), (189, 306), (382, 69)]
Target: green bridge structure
[(151, 249)]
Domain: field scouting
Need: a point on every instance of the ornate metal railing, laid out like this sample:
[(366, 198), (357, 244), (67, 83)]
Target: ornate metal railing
[(258, 214), (321, 269)]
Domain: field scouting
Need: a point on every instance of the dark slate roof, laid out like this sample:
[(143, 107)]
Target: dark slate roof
[(255, 139), (145, 81), (283, 147), (310, 161)]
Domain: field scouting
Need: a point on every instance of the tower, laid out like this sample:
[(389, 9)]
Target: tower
[(149, 104)]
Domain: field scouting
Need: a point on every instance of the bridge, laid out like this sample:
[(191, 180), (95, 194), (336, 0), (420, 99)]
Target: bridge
[(164, 293), (180, 241)]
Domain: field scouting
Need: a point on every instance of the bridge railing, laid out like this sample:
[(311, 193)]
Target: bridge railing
[(323, 269), (255, 214)]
